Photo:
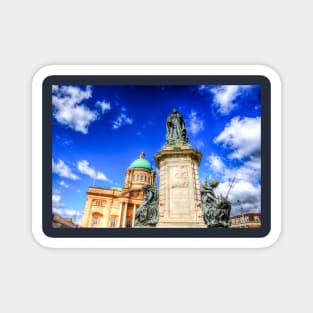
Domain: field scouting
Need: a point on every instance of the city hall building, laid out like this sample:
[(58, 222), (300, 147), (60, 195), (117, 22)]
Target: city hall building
[(116, 207)]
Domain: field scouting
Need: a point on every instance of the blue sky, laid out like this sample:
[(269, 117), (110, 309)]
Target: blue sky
[(97, 131)]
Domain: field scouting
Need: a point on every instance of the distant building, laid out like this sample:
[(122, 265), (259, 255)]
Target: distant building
[(246, 220), (116, 207), (62, 222)]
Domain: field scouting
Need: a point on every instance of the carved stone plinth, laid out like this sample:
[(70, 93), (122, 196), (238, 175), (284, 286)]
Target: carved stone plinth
[(179, 199)]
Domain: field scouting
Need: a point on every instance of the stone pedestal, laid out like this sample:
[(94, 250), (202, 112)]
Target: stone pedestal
[(179, 196)]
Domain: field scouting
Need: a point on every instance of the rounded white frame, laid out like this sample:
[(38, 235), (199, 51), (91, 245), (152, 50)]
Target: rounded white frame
[(156, 242)]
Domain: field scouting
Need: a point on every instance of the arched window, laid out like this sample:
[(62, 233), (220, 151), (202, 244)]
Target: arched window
[(95, 220)]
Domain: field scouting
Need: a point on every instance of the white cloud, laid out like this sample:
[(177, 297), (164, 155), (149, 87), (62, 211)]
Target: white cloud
[(203, 89), (105, 106), (59, 208), (247, 187), (56, 202), (121, 120), (243, 136), (195, 124), (69, 109), (64, 184), (197, 143), (65, 141), (75, 215), (249, 171), (84, 168), (215, 163), (248, 194), (63, 170), (224, 97)]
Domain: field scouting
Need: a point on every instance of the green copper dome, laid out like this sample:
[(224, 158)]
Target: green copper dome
[(141, 163)]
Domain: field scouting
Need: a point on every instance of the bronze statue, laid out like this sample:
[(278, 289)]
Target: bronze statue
[(175, 128), (148, 212), (216, 210)]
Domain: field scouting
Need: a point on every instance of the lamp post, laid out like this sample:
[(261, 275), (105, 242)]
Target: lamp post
[(242, 214)]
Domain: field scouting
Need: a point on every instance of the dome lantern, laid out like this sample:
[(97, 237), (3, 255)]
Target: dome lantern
[(141, 163)]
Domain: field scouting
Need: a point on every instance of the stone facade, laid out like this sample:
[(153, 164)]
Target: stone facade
[(136, 178), (111, 208), (180, 200), (116, 207), (246, 220)]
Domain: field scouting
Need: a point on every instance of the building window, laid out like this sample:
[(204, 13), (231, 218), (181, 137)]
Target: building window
[(98, 202), (141, 178), (145, 178), (247, 218), (128, 223), (256, 219), (137, 177), (95, 219)]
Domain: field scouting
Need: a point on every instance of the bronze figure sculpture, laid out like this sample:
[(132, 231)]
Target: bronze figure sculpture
[(175, 128), (148, 212), (216, 209)]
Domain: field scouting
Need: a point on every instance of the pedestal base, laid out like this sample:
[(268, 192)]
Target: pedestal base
[(181, 225), (180, 200)]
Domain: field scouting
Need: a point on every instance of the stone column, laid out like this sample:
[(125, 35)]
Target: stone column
[(134, 214), (86, 216), (124, 215), (120, 215), (107, 208), (179, 199)]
